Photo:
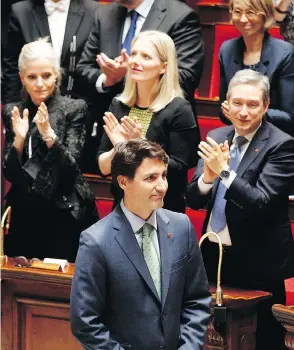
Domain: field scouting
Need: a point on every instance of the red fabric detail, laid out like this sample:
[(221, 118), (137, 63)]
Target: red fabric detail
[(207, 124), (225, 32)]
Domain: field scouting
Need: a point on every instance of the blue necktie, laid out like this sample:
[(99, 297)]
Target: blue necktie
[(131, 33), (218, 219)]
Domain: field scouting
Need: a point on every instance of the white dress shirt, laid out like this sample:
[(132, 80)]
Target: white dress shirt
[(57, 23), (204, 188), (137, 223), (143, 10)]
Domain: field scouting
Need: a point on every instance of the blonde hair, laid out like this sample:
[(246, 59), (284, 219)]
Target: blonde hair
[(262, 7), (36, 50), (168, 87)]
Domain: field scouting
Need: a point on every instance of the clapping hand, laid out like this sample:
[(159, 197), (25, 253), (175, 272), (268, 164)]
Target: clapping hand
[(132, 128), (42, 121), (113, 129), (114, 70), (215, 156), (20, 125)]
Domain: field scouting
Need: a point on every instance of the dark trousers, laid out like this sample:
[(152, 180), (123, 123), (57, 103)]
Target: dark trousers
[(270, 333)]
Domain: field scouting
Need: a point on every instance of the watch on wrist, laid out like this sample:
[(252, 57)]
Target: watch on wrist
[(225, 173)]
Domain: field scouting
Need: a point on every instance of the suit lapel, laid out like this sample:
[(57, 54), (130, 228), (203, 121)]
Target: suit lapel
[(75, 15), (156, 15), (254, 148), (264, 59), (165, 244), (128, 243), (114, 40), (265, 54), (41, 19)]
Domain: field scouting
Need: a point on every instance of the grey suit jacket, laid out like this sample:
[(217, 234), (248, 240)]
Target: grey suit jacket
[(114, 304)]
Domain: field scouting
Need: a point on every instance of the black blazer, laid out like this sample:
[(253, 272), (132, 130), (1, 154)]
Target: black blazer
[(277, 63), (29, 22), (170, 16), (53, 174), (257, 203), (174, 128)]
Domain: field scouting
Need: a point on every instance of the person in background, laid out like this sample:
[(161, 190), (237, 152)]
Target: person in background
[(51, 202), (284, 16), (152, 105), (256, 49), (243, 179), (139, 280), (66, 22), (103, 64)]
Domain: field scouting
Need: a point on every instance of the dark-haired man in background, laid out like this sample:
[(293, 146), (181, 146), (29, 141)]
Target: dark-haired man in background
[(139, 280)]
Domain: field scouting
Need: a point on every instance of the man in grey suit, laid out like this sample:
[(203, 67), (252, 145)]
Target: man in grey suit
[(139, 280), (103, 65)]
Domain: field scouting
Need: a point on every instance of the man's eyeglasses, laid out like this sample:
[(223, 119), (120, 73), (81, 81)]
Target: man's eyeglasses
[(250, 14), (22, 261)]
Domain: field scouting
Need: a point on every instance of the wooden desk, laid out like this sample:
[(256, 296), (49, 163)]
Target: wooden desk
[(35, 312), (285, 315)]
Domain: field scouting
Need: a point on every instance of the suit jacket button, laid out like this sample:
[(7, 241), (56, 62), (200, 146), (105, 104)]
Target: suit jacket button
[(64, 198)]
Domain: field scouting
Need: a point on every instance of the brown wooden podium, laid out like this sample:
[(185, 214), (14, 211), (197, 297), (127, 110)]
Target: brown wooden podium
[(35, 312), (285, 315)]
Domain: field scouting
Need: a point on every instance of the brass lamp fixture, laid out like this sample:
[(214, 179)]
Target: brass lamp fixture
[(218, 293), (4, 227)]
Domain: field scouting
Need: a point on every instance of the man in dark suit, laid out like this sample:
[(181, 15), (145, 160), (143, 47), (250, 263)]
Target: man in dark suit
[(244, 178), (32, 19), (139, 280), (102, 66)]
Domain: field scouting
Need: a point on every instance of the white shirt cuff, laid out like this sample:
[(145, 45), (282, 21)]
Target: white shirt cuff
[(227, 182), (203, 187), (99, 83)]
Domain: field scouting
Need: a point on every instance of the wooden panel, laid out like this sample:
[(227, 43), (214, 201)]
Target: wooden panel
[(42, 325)]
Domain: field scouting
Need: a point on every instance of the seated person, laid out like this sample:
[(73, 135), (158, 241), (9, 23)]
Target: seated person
[(152, 106), (50, 200), (284, 16), (243, 178), (258, 50)]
